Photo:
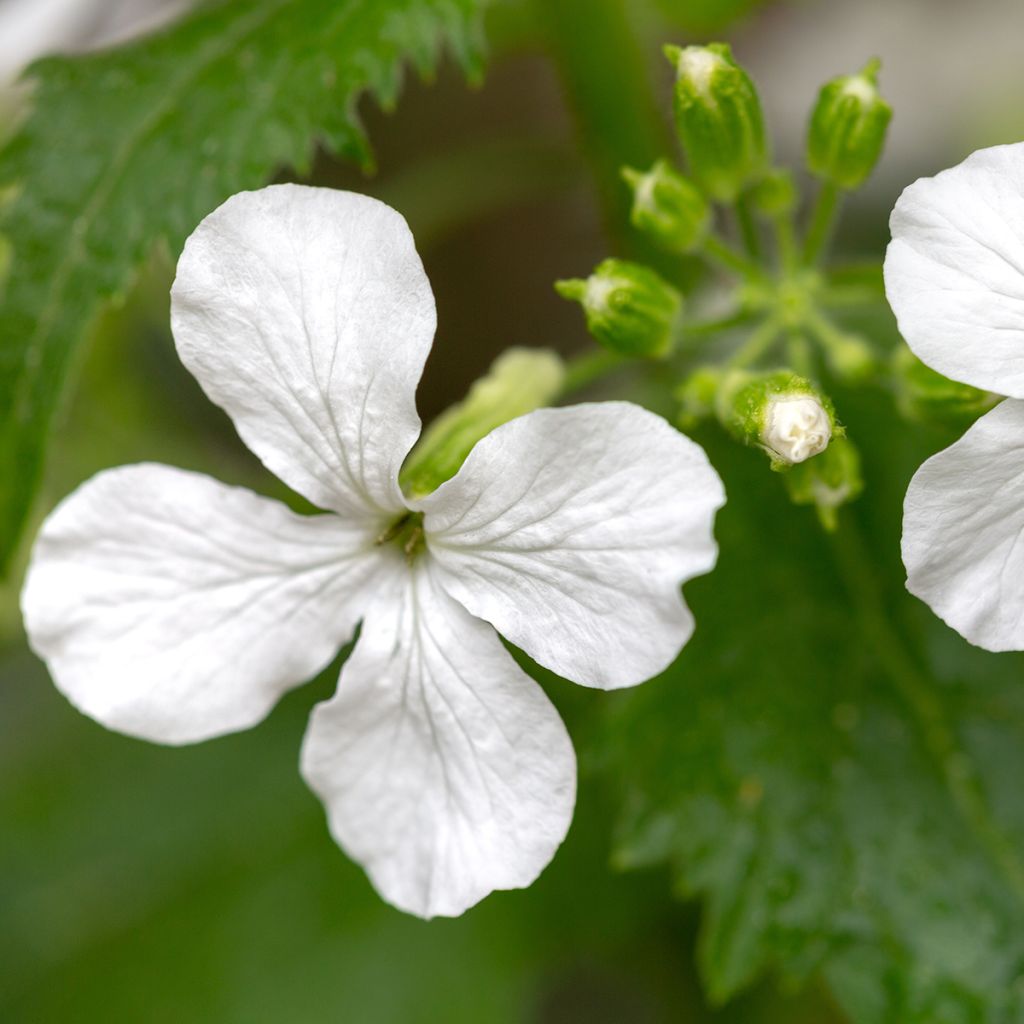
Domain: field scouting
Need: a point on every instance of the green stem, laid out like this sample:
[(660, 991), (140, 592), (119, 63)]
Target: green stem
[(748, 228), (756, 345), (785, 240), (826, 206), (855, 560), (720, 252), (588, 367), (849, 295), (605, 79), (798, 352), (708, 328)]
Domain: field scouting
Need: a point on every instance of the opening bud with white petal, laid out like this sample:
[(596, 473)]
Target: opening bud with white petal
[(847, 128), (629, 308), (780, 412), (719, 119), (668, 207)]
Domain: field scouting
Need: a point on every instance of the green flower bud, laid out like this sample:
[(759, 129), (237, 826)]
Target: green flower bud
[(775, 195), (519, 381), (851, 358), (780, 412), (696, 396), (629, 308), (827, 482), (719, 120), (923, 395), (668, 207), (847, 129)]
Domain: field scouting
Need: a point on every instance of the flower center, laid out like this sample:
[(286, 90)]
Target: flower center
[(406, 532)]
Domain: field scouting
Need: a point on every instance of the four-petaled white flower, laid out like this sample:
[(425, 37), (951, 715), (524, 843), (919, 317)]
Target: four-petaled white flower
[(174, 608), (954, 274)]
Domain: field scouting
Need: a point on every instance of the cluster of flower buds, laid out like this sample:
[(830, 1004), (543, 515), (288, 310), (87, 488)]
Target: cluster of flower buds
[(633, 311)]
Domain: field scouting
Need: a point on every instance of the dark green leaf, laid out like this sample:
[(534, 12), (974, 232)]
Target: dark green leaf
[(830, 768), (130, 147)]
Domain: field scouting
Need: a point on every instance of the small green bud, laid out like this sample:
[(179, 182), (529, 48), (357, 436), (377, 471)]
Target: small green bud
[(696, 396), (775, 195), (850, 357), (780, 412), (719, 120), (629, 308), (519, 381), (847, 128), (925, 396), (827, 482), (668, 207)]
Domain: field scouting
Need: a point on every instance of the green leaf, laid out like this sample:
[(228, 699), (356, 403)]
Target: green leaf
[(135, 146), (828, 767)]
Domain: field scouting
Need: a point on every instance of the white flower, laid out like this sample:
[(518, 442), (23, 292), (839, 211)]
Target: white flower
[(954, 274), (174, 608), (797, 427)]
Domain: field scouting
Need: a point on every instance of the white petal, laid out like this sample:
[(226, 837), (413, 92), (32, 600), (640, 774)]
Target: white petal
[(571, 530), (963, 531), (305, 313), (172, 607), (954, 271), (445, 770)]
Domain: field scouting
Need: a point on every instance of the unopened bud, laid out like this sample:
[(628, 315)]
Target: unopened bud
[(696, 396), (827, 482), (668, 207), (850, 357), (519, 381), (924, 395), (628, 307), (847, 128), (775, 195), (779, 412), (719, 119)]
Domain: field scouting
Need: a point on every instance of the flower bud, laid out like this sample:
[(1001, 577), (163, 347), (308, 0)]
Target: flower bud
[(629, 308), (775, 195), (668, 207), (827, 482), (778, 412), (923, 395), (850, 357), (847, 128), (696, 396), (719, 120), (519, 381)]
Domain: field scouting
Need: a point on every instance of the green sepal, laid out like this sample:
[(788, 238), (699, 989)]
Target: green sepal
[(629, 308), (719, 120)]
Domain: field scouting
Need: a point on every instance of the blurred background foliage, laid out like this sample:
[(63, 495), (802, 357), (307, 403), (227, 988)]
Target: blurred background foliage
[(814, 816)]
